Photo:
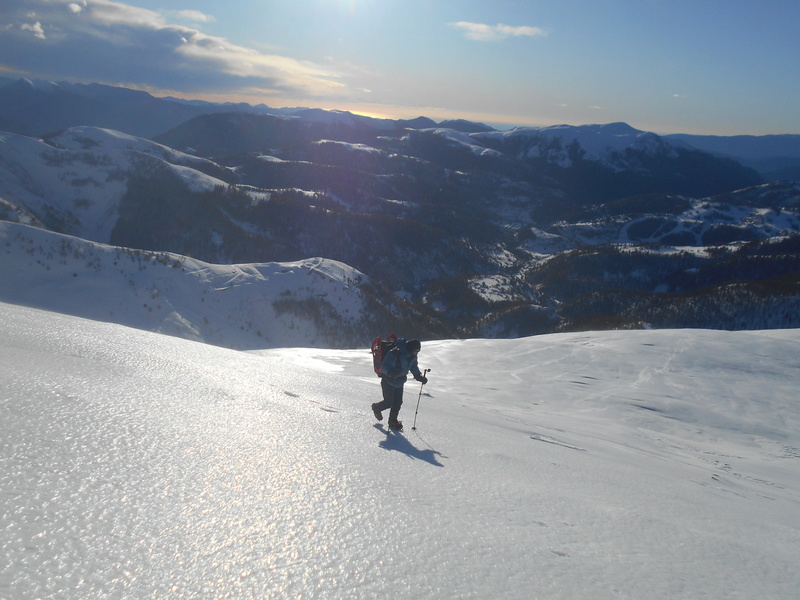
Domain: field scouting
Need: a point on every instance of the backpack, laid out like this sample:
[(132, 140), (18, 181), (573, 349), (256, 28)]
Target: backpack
[(380, 348)]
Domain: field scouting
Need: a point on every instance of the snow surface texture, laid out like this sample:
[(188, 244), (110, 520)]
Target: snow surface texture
[(636, 464)]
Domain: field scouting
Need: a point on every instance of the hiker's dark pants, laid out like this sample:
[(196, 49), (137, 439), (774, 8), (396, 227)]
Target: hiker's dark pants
[(392, 399)]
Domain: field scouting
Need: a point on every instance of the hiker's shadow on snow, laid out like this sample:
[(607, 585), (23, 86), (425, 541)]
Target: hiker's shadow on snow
[(400, 443)]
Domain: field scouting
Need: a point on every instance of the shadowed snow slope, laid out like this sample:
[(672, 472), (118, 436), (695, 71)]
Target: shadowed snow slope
[(240, 306), (637, 464)]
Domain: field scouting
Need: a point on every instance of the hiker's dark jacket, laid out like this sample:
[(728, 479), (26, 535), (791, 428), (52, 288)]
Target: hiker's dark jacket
[(396, 365)]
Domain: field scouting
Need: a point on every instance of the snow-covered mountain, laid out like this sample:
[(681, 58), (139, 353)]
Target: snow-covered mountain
[(436, 219), (642, 464), (615, 158), (41, 108), (74, 182), (314, 302), (483, 233), (563, 144)]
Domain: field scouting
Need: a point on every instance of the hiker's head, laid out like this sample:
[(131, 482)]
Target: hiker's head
[(413, 346)]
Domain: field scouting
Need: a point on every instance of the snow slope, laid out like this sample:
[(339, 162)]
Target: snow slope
[(80, 176), (241, 306), (636, 464)]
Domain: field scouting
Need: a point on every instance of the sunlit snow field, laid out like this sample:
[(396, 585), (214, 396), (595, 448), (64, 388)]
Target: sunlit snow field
[(641, 465)]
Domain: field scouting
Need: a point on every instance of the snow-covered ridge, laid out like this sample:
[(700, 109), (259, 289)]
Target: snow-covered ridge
[(81, 175), (364, 148), (606, 144), (458, 138), (123, 149), (638, 464), (241, 306), (96, 138), (599, 142)]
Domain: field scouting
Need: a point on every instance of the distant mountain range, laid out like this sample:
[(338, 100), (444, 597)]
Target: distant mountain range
[(40, 108), (444, 229)]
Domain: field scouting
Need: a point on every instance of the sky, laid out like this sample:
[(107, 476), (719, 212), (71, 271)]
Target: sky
[(722, 67)]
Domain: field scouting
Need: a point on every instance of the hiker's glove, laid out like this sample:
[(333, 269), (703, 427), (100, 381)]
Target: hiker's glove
[(422, 379)]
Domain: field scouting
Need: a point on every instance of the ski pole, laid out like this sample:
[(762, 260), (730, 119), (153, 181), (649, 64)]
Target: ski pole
[(414, 426)]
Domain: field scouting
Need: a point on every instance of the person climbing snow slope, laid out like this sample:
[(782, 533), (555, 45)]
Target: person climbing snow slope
[(394, 374)]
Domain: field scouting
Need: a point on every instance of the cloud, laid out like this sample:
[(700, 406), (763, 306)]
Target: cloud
[(195, 16), (247, 64), (35, 28), (116, 43), (489, 33)]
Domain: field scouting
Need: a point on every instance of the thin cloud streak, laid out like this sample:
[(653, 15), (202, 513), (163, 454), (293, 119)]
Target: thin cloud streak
[(489, 33)]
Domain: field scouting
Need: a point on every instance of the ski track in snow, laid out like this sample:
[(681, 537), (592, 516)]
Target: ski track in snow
[(650, 464)]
